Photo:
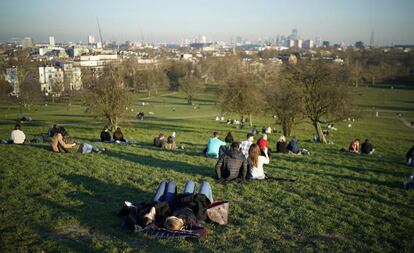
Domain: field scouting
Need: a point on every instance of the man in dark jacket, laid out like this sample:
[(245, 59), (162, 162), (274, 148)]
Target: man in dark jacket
[(366, 148), (232, 165)]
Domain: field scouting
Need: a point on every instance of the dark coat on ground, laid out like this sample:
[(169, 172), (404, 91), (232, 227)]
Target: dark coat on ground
[(231, 166)]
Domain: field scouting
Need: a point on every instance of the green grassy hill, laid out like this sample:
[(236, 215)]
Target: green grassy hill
[(340, 202)]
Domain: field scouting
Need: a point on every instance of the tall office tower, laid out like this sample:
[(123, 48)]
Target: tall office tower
[(239, 40), (371, 41), (295, 34), (27, 42), (318, 41), (203, 39), (91, 39), (51, 41), (308, 44)]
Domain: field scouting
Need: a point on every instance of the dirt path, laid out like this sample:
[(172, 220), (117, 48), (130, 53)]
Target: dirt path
[(405, 122)]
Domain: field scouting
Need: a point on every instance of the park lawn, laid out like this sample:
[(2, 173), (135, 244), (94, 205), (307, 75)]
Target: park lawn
[(339, 202)]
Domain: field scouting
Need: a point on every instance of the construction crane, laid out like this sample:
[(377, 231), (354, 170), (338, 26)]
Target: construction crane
[(100, 32)]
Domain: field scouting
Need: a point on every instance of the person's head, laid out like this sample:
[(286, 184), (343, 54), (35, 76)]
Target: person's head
[(173, 223), (118, 129), (106, 129), (357, 141), (250, 137), (254, 153), (161, 136), (282, 138), (366, 140), (235, 145), (229, 138), (61, 130), (17, 127), (216, 134), (294, 139), (264, 137), (55, 126)]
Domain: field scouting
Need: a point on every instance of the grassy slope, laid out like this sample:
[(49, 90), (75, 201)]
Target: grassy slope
[(340, 202)]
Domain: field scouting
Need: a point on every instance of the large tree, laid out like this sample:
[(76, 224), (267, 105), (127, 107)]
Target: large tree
[(108, 96), (176, 70), (242, 94), (5, 89), (324, 97)]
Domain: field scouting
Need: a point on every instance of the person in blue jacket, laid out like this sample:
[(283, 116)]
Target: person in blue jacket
[(213, 146)]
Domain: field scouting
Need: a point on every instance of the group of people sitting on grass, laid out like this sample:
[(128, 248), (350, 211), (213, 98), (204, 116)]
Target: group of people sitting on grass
[(161, 142), (245, 160), (117, 137), (364, 148), (172, 212)]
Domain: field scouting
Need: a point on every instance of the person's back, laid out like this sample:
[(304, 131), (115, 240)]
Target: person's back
[(245, 145), (354, 146), (257, 161), (105, 135), (293, 146), (232, 165), (213, 146), (17, 136), (281, 147), (170, 143), (159, 141), (366, 147), (263, 142)]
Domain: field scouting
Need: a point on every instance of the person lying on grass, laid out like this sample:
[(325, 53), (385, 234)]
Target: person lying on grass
[(232, 165), (171, 210), (59, 145), (256, 162)]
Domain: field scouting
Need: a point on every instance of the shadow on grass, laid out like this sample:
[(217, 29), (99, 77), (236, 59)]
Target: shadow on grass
[(97, 203), (390, 184), (178, 166)]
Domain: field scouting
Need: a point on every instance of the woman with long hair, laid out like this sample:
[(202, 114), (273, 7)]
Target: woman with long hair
[(257, 161)]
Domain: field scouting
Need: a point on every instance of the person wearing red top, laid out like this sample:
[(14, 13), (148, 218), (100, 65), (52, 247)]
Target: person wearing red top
[(263, 144)]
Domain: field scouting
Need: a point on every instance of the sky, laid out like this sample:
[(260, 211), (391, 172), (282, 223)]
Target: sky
[(172, 21)]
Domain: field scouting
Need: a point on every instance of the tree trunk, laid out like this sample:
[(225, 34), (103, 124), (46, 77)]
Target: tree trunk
[(250, 120), (190, 99), (149, 93), (286, 128), (319, 132)]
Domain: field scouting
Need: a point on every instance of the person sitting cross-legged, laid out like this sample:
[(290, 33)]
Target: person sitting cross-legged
[(232, 165), (59, 145), (281, 145)]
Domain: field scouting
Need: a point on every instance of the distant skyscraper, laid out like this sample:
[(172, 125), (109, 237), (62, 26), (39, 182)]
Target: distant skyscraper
[(51, 41), (318, 41), (203, 39), (91, 39), (239, 39), (27, 42), (325, 43), (371, 41), (308, 44), (295, 34)]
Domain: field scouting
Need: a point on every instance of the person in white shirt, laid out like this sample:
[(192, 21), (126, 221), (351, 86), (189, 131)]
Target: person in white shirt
[(257, 161), (17, 136)]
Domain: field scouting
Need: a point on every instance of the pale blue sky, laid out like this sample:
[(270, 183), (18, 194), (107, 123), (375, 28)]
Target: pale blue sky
[(171, 21)]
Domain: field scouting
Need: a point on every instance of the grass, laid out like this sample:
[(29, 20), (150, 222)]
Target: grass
[(339, 202)]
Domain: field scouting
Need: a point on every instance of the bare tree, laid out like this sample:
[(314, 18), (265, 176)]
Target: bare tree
[(108, 96), (355, 73), (285, 102), (5, 89), (242, 94), (324, 98), (191, 85)]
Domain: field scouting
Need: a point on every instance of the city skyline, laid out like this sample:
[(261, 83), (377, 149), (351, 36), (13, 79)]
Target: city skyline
[(166, 22)]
